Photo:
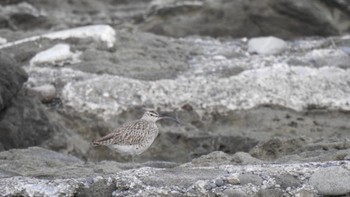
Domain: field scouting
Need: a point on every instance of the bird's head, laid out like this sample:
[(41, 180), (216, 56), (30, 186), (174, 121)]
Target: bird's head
[(154, 116)]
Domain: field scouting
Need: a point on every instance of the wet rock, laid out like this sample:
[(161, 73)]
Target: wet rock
[(331, 181)]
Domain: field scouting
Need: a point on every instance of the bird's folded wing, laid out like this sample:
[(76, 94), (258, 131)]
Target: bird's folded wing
[(128, 134)]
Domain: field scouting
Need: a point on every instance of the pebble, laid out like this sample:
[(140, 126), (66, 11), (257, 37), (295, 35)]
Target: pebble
[(219, 182), (233, 180)]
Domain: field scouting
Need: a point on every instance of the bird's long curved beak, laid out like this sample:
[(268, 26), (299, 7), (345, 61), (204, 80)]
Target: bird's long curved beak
[(170, 118)]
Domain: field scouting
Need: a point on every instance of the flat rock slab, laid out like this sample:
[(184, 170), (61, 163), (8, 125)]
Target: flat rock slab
[(186, 181), (40, 172)]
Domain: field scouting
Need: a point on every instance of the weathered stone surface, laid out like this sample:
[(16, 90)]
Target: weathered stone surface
[(46, 173), (246, 19), (240, 111), (222, 95), (12, 78), (333, 180)]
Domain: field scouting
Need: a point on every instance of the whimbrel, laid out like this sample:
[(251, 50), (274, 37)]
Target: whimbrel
[(133, 138)]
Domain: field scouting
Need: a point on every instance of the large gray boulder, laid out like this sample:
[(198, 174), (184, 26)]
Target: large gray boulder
[(285, 19)]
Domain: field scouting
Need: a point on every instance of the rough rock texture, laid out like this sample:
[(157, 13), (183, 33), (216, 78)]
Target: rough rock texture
[(284, 19), (12, 78), (273, 121), (226, 98), (332, 181), (39, 172)]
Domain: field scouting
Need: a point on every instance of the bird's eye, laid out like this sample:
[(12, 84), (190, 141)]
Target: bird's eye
[(153, 114)]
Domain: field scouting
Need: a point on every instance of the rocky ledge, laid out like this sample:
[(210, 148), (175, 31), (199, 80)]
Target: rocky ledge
[(260, 116), (39, 172)]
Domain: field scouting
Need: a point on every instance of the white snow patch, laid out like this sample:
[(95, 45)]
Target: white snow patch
[(58, 55)]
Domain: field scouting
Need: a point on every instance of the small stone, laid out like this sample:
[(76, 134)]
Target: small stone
[(208, 187), (219, 182), (233, 180)]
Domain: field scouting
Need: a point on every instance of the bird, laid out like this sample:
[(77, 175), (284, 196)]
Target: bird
[(135, 137)]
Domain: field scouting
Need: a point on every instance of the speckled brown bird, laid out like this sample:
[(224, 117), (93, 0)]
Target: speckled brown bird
[(133, 138)]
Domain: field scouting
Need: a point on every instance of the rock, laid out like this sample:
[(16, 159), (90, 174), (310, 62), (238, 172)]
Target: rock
[(25, 124), (219, 182), (245, 158), (22, 15), (287, 180), (266, 45), (244, 19), (276, 147), (47, 173), (270, 193), (250, 178), (235, 193), (102, 33), (45, 93), (233, 180), (326, 57), (331, 181), (59, 54), (12, 77)]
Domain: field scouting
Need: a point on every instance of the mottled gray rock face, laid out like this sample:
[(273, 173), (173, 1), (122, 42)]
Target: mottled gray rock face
[(40, 172), (259, 116), (12, 78), (245, 19), (331, 181)]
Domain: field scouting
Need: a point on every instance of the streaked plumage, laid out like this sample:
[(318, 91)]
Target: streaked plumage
[(133, 138)]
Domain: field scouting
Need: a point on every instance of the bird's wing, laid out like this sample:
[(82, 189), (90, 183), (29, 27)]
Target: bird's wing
[(128, 134)]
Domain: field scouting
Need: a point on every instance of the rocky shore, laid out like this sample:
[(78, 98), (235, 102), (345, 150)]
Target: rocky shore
[(263, 104)]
